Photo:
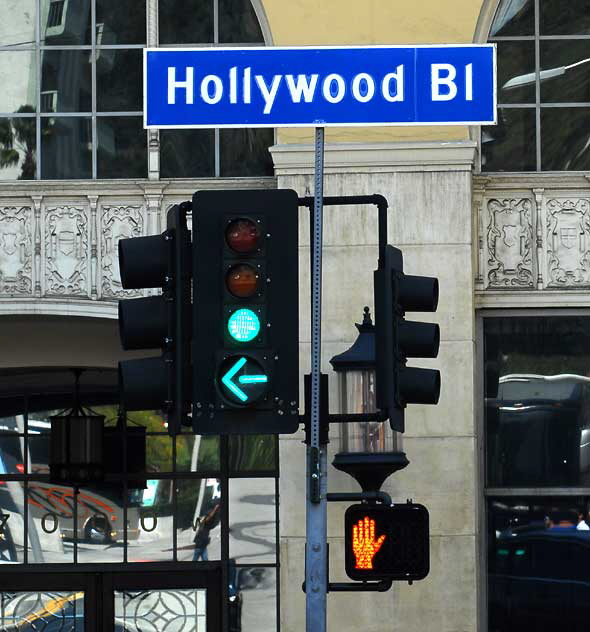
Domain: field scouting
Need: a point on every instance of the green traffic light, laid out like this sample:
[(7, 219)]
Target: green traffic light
[(243, 325)]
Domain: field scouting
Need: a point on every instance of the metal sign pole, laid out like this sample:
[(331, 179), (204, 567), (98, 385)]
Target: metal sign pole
[(316, 557)]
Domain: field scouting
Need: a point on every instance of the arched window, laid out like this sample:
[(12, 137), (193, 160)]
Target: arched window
[(543, 87), (71, 99)]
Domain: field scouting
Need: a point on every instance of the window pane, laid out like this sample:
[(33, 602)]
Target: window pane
[(564, 18), (565, 139), (66, 148), (150, 524), (255, 607), (198, 519), (18, 149), (66, 81), (537, 395), (510, 145), (238, 23), (538, 564), (120, 22), (51, 524), (252, 520), (182, 610), (516, 67), (12, 449), (100, 527), (12, 538), (18, 24), (514, 17), (571, 85), (187, 153), (186, 21), (195, 453), (244, 152), (18, 93), (65, 22), (118, 80), (252, 452), (122, 150), (47, 611)]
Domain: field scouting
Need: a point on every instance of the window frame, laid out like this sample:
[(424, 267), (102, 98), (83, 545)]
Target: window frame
[(484, 492), (537, 105)]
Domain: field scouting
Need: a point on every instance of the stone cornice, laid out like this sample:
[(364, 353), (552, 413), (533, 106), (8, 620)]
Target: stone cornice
[(298, 159)]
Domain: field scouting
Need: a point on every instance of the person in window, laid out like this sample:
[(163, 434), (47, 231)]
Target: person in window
[(582, 524), (562, 520), (208, 520)]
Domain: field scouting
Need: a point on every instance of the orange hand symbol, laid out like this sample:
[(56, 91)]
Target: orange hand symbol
[(364, 545)]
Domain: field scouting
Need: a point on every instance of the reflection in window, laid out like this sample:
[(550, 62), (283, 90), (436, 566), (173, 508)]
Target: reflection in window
[(538, 560), (551, 135), (252, 520), (256, 590), (86, 59), (252, 453), (537, 401)]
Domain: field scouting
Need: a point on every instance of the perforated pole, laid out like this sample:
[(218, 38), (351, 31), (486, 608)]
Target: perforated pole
[(316, 580)]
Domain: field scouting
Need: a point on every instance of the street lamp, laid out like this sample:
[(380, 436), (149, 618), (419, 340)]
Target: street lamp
[(368, 450)]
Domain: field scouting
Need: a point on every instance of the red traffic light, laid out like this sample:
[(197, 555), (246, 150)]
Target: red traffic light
[(242, 235)]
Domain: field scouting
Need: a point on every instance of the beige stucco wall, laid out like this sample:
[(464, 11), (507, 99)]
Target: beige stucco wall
[(428, 186), (350, 22)]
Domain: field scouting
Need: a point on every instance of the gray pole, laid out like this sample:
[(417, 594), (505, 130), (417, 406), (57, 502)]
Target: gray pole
[(316, 580)]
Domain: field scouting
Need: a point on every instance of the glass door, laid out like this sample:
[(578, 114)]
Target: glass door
[(134, 600), (47, 602)]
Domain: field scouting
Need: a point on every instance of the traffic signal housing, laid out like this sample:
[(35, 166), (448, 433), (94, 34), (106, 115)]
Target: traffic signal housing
[(245, 321), (162, 321), (397, 339), (383, 542)]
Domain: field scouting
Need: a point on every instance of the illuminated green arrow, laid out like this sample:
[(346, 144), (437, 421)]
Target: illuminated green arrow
[(227, 380)]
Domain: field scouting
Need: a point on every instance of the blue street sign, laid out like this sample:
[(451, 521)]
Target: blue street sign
[(315, 87)]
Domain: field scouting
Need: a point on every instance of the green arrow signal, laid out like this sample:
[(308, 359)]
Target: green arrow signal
[(227, 380)]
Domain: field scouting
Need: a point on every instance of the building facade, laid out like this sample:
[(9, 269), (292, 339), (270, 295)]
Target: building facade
[(501, 215)]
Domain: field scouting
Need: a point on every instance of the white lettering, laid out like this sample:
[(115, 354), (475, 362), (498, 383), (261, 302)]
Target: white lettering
[(268, 94), (214, 98), (304, 88), (247, 81), (187, 84), (356, 87), (327, 88), (469, 82), (233, 85), (448, 81), (398, 77)]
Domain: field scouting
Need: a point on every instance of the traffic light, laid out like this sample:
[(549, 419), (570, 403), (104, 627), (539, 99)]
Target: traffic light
[(162, 321), (384, 542), (397, 339), (245, 321)]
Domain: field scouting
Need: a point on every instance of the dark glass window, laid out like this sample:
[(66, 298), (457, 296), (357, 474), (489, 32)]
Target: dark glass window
[(537, 435), (187, 153), (550, 84), (238, 23), (66, 81), (186, 21), (120, 22), (537, 392), (122, 151), (18, 148), (66, 147)]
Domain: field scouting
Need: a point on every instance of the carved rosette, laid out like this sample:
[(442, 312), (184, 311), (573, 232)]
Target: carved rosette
[(509, 243), (16, 251), (117, 222), (66, 251), (568, 242)]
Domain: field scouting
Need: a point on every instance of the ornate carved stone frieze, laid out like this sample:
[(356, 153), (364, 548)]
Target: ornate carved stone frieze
[(16, 251), (66, 251), (568, 242), (117, 222), (509, 243)]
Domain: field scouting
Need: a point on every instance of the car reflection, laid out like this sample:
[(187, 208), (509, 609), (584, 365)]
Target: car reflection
[(539, 578)]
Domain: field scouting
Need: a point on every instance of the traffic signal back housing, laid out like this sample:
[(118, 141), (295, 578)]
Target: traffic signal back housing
[(397, 339)]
